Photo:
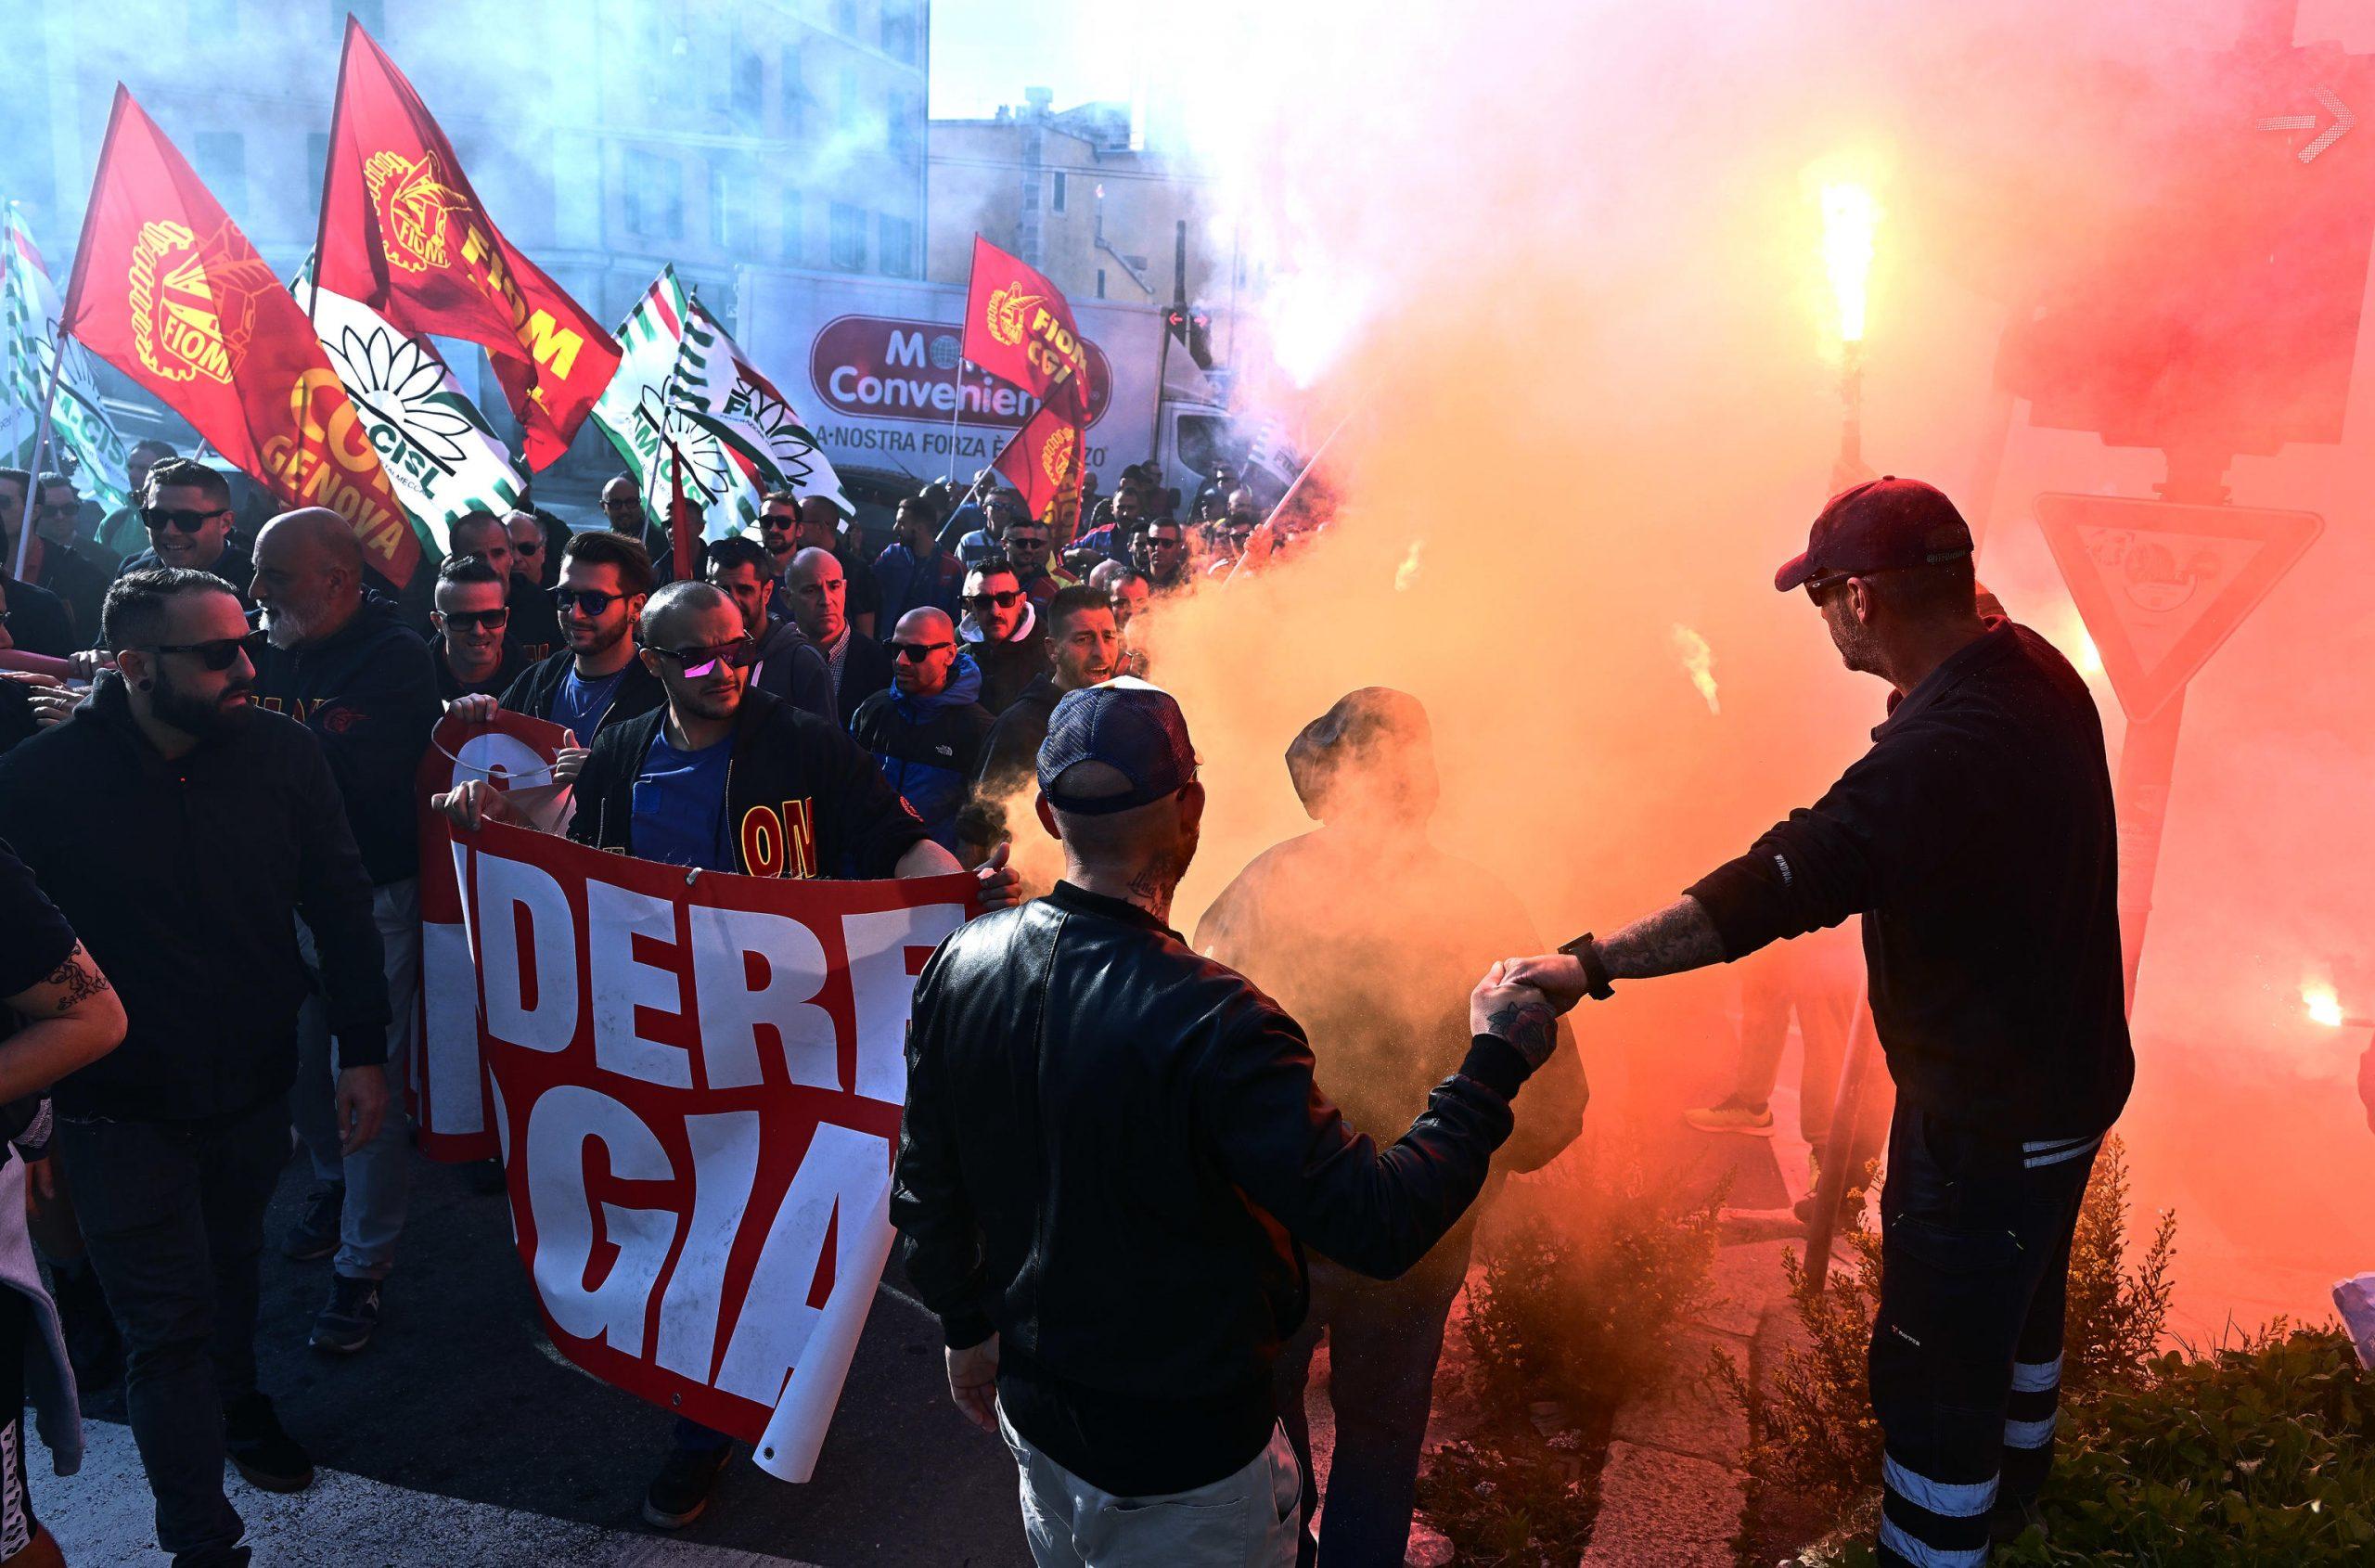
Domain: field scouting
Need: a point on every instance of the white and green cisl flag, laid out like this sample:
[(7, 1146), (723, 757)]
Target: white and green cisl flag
[(655, 431), (442, 458), (720, 391), (79, 422)]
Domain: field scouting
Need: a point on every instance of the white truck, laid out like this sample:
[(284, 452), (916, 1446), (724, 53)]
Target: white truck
[(872, 364)]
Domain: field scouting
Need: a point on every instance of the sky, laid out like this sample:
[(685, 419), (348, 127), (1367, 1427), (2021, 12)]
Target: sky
[(985, 51)]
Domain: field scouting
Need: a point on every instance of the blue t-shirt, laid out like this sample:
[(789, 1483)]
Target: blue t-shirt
[(579, 705), (680, 805)]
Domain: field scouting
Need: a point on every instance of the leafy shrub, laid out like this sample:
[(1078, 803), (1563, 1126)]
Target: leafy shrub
[(1515, 1502), (2117, 1314), (1586, 1275)]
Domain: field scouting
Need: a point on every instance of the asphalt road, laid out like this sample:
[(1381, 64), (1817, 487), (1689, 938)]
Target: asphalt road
[(486, 1438)]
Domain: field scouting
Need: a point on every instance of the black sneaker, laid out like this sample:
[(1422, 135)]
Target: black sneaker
[(346, 1324), (259, 1451), (679, 1494), (315, 1236), (236, 1556)]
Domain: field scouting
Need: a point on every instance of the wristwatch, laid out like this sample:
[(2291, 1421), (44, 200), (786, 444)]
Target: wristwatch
[(1595, 980)]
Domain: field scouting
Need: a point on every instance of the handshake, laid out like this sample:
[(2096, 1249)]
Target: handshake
[(1509, 1009)]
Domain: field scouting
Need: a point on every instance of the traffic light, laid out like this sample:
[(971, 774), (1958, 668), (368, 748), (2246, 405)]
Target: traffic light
[(1199, 337), (2220, 311)]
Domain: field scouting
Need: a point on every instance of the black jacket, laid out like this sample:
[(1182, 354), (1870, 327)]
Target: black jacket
[(791, 667), (234, 566), (38, 620), (507, 669), (80, 582), (1976, 839), (1113, 1155), (369, 695), (865, 669), (640, 693), (183, 879), (805, 799), (535, 625), (1013, 755), (1008, 668)]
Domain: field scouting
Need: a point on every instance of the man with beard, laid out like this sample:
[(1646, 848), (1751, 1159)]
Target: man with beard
[(596, 680), (782, 659), (340, 664), (728, 779), (818, 587), (913, 570), (1003, 630), (1083, 649), (184, 835), (475, 653), (1977, 840), (188, 512), (1113, 1153), (1357, 930), (926, 732), (1160, 550)]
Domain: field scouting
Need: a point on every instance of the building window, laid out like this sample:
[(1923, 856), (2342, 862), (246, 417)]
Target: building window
[(655, 196), (789, 218), (1056, 194), (901, 37), (1100, 283), (852, 112), (731, 203), (845, 18), (906, 126), (795, 95), (223, 164), (847, 251), (897, 258), (749, 87)]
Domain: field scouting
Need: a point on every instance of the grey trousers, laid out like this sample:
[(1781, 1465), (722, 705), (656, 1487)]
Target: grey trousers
[(378, 1175), (1248, 1519)]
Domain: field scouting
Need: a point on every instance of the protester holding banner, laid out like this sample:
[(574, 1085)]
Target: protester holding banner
[(597, 680), (184, 834), (1004, 632), (474, 650), (728, 779), (340, 662), (927, 732), (1142, 1378), (187, 510), (782, 659), (817, 584)]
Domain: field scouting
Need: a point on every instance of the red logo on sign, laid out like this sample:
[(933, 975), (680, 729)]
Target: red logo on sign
[(892, 367)]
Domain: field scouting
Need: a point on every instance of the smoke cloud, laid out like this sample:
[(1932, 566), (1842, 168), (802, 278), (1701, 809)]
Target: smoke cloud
[(1560, 271)]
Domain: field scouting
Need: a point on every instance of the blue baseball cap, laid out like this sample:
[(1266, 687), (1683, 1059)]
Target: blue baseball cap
[(1130, 726), (1885, 524)]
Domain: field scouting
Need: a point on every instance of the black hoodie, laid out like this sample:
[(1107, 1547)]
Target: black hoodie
[(532, 694), (368, 692)]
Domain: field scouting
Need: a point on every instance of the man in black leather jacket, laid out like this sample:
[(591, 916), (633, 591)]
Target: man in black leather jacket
[(1113, 1153)]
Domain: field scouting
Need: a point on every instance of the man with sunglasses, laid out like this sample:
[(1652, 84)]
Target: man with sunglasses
[(341, 662), (53, 561), (119, 534), (532, 620), (31, 617), (730, 778), (926, 731), (184, 834), (1976, 839), (1160, 549), (187, 510), (782, 659), (1003, 631), (596, 680), (1027, 543), (476, 654)]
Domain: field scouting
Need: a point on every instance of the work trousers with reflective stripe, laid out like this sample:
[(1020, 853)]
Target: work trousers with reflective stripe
[(1966, 1361)]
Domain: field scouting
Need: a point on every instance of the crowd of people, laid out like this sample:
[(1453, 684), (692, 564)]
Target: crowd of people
[(217, 797)]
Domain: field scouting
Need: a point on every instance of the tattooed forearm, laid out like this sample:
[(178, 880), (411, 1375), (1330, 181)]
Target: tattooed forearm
[(76, 982), (1679, 937), (1529, 1026)]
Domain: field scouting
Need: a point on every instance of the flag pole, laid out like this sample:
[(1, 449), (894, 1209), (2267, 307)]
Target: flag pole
[(956, 403), (322, 201), (41, 439)]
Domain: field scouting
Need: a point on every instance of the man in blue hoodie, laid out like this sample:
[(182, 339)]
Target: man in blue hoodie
[(343, 664), (926, 732)]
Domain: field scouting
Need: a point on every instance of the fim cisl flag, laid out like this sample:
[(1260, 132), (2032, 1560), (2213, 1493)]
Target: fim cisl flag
[(721, 391), (697, 1081), (79, 422), (440, 454), (644, 414)]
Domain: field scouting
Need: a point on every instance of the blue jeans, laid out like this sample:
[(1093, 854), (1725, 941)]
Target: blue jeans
[(174, 1217), (1384, 1339), (379, 1176)]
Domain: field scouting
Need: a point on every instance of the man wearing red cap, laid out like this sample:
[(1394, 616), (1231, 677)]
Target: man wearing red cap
[(1976, 840)]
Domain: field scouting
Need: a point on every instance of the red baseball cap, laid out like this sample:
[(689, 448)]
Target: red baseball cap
[(1885, 524)]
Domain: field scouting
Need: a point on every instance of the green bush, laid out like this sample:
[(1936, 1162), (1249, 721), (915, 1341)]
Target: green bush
[(2257, 1453), (1511, 1502)]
